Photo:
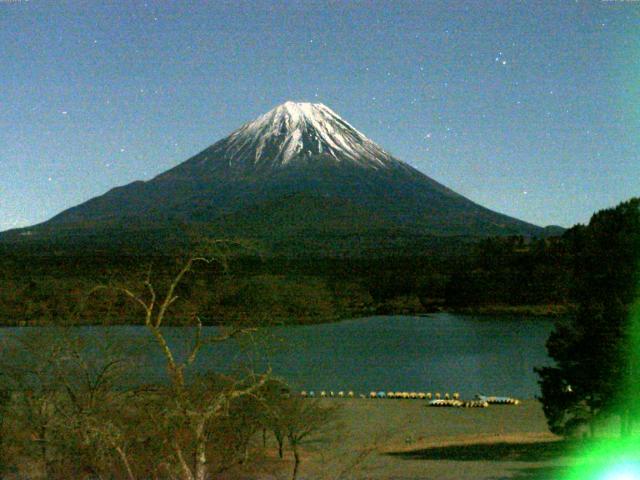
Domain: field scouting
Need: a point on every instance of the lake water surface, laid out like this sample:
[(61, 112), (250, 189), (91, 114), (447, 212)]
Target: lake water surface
[(441, 352)]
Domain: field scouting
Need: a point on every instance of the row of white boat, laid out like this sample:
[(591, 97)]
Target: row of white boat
[(351, 394), (435, 399)]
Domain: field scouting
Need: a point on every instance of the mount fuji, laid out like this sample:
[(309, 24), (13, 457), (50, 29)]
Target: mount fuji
[(297, 174)]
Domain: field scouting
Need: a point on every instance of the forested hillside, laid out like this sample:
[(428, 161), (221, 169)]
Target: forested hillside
[(511, 275)]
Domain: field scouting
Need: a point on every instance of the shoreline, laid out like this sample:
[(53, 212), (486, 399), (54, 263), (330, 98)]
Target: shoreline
[(527, 311), (555, 310)]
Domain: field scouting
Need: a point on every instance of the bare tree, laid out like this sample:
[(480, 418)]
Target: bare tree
[(95, 404), (63, 395), (304, 421), (28, 369), (195, 412), (273, 413)]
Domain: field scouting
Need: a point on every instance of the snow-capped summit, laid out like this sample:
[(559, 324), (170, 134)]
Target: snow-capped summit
[(294, 131)]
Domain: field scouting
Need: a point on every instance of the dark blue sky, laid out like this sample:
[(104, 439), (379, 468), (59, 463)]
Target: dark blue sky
[(531, 108)]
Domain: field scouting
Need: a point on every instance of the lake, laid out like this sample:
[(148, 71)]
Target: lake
[(441, 352)]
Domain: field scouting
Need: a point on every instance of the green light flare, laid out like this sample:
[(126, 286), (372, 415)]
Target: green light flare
[(617, 458), (623, 472), (612, 459), (632, 391)]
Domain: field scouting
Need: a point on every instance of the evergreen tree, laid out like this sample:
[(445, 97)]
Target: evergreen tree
[(592, 350)]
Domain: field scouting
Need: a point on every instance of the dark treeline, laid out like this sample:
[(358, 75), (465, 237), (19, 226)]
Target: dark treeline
[(505, 274), (515, 272)]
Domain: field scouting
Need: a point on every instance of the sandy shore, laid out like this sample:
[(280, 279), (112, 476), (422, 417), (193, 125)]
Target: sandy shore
[(405, 439)]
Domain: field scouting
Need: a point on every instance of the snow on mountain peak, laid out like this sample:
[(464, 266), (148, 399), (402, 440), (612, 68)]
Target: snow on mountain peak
[(293, 131)]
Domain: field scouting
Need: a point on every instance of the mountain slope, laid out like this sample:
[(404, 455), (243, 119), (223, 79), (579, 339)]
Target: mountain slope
[(300, 158)]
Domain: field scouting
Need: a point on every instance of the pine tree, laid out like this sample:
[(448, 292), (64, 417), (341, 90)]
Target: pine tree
[(593, 349)]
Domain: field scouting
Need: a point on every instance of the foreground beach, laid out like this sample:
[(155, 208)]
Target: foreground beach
[(406, 439)]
